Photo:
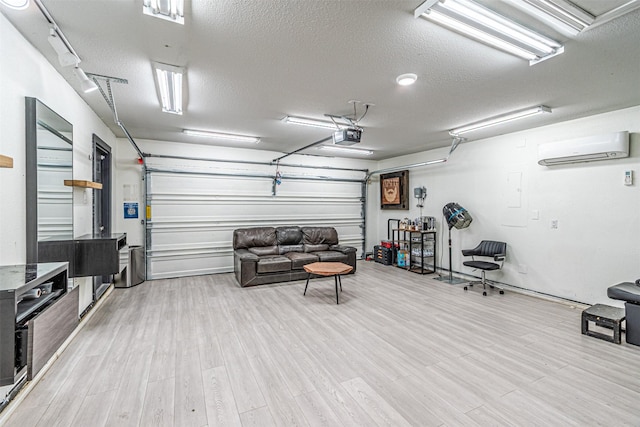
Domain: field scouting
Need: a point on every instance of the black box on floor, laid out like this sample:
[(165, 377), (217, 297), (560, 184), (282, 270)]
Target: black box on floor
[(382, 255)]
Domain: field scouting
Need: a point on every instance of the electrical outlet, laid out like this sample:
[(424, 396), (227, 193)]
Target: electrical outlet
[(554, 224)]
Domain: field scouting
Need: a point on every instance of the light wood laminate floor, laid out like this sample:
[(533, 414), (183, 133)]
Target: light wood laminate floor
[(400, 349)]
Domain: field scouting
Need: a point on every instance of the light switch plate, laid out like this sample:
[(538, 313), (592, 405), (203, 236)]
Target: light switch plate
[(628, 177)]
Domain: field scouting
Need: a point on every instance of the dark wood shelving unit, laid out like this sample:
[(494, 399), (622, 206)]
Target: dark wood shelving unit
[(32, 330)]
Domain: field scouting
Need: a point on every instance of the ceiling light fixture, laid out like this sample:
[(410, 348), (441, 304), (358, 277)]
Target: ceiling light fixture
[(86, 84), (504, 118), (487, 26), (169, 80), (219, 135), (16, 4), (303, 121), (65, 56), (169, 10), (562, 15), (406, 79), (339, 148)]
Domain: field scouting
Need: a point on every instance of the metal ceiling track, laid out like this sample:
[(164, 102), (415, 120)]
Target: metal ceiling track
[(57, 29), (95, 77), (275, 161), (110, 100), (249, 162)]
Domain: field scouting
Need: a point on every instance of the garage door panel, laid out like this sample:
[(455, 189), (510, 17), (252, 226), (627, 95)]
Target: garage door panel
[(193, 216)]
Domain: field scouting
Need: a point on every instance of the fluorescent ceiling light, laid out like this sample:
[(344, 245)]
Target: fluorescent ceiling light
[(504, 118), (16, 4), (614, 13), (562, 15), (87, 85), (169, 84), (406, 79), (219, 135), (65, 56), (170, 10), (485, 25), (339, 148), (303, 121)]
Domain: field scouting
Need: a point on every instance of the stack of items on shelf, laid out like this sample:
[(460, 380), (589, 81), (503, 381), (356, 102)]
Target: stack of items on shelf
[(423, 223)]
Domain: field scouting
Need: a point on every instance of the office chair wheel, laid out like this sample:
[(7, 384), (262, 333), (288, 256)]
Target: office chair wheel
[(484, 294), (501, 292), (465, 288)]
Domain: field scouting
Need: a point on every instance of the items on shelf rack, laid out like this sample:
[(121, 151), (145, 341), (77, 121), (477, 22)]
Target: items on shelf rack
[(413, 244)]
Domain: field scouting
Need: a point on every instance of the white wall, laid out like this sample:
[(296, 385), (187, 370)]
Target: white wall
[(597, 241), (24, 72)]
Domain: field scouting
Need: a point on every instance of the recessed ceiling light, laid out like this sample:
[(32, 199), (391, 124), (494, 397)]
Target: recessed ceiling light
[(16, 4), (406, 79), (219, 135), (169, 10), (169, 81)]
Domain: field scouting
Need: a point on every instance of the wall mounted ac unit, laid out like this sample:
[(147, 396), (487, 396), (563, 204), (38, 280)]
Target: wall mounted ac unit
[(587, 149)]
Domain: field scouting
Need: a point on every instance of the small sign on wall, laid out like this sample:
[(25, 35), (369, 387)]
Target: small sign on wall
[(130, 210)]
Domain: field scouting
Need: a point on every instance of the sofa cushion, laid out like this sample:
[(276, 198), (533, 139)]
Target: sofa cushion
[(331, 256), (273, 264), (316, 248), (291, 235), (299, 259), (284, 249), (319, 235), (264, 250), (244, 238)]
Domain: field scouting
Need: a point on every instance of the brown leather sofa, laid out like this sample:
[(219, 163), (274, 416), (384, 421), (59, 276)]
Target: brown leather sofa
[(268, 254)]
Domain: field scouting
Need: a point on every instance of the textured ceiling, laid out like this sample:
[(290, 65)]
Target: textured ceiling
[(250, 63)]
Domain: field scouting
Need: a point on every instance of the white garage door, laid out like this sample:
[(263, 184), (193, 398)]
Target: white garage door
[(195, 207)]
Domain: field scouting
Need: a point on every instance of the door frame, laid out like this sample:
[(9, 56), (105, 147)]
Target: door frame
[(102, 148)]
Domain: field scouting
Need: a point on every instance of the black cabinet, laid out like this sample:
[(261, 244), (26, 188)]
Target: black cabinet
[(32, 327), (88, 255)]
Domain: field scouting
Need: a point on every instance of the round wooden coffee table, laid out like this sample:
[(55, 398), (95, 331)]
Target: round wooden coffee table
[(334, 269)]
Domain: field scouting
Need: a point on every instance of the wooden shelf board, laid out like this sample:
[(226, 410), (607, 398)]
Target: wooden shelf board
[(81, 183), (6, 161)]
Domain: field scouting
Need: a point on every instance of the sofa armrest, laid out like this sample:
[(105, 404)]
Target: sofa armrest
[(245, 255), (343, 249), (245, 265)]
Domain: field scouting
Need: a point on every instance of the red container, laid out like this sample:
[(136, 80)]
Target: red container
[(386, 244)]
